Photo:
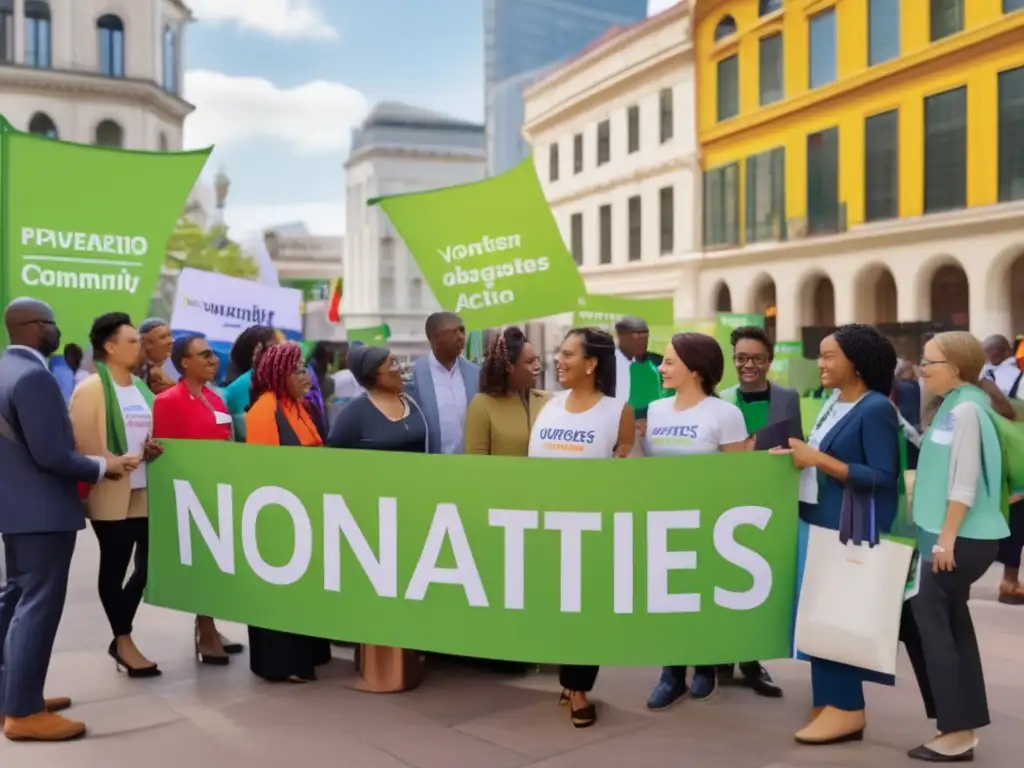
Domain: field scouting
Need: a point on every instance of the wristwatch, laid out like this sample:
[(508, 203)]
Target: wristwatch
[(938, 550)]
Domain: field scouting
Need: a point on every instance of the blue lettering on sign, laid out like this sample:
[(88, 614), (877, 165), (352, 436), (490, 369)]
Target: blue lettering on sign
[(578, 436), (685, 431)]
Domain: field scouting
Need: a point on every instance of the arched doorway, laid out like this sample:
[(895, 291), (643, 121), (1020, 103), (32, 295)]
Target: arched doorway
[(818, 302), (876, 296), (950, 297), (764, 303), (42, 124), (1015, 285), (109, 134), (723, 298)]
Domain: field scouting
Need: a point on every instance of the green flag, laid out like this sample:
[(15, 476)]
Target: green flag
[(490, 251), (374, 336), (604, 311), (649, 562), (85, 228)]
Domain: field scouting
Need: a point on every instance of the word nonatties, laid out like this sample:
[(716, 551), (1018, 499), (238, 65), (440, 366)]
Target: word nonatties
[(447, 534), (86, 242)]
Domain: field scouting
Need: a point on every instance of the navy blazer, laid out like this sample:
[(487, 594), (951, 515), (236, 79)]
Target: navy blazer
[(39, 473), (867, 441), (421, 390)]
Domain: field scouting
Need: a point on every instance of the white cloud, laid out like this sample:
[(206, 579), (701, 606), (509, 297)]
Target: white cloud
[(278, 18), (657, 6), (320, 218), (313, 117)]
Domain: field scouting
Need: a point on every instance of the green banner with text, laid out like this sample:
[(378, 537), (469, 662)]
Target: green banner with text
[(491, 250), (637, 562), (85, 228)]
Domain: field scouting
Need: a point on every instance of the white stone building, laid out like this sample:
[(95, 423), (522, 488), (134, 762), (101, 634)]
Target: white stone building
[(310, 263), (105, 72), (398, 149), (614, 143)]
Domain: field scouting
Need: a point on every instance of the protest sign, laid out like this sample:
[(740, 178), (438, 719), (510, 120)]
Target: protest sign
[(646, 562), (85, 228), (603, 311), (491, 250), (374, 336)]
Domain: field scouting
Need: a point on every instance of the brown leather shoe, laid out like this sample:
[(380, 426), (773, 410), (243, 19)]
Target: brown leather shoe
[(45, 726), (57, 704), (1011, 593)]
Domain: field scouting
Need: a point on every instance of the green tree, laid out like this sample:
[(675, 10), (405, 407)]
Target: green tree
[(190, 246)]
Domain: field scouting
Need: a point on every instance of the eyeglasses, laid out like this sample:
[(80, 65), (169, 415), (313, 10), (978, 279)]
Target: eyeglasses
[(926, 363), (758, 360), (206, 354)]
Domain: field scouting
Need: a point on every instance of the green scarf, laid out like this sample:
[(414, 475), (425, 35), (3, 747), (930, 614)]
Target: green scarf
[(117, 440)]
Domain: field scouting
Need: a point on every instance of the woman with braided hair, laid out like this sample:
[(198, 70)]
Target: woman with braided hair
[(499, 419), (279, 415)]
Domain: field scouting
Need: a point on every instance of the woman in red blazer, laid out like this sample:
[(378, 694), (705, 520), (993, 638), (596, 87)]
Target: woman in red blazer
[(190, 410)]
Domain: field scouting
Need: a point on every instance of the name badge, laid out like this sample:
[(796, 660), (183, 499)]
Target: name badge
[(222, 418), (942, 436)]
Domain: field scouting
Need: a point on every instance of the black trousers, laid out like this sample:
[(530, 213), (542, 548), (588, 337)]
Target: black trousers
[(1010, 547), (577, 678), (950, 646), (119, 541)]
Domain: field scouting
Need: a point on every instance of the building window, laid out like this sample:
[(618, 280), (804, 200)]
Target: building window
[(666, 114), (109, 134), (722, 205), (164, 144), (387, 273), (416, 293), (605, 223), (823, 49), (576, 237), (726, 28), (945, 151), (766, 195), (42, 125), (882, 166), (170, 59), (37, 34), (1009, 6), (823, 181), (667, 219), (577, 153), (553, 162), (947, 18), (770, 69), (768, 7), (6, 32), (883, 30), (633, 120), (635, 229), (728, 88), (604, 142), (1011, 135), (111, 45)]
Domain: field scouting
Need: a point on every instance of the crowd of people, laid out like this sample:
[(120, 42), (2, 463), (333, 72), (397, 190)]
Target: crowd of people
[(84, 455)]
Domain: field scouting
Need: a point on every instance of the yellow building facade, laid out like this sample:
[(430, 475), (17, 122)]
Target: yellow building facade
[(827, 126)]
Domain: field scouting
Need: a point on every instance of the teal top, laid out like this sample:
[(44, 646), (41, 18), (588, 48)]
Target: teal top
[(984, 519), (236, 394)]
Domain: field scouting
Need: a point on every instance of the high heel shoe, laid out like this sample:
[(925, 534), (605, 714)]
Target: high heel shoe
[(213, 659), (133, 672)]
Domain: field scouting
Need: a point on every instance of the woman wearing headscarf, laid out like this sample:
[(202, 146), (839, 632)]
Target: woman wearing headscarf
[(157, 341), (191, 410), (112, 415), (586, 408), (500, 417), (383, 418), (957, 509), (279, 415)]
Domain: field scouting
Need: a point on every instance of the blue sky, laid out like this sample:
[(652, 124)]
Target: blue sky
[(278, 85)]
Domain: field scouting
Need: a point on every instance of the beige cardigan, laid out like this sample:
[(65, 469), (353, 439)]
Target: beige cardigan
[(108, 499)]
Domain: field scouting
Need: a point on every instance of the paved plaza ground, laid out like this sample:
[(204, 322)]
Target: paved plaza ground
[(461, 718)]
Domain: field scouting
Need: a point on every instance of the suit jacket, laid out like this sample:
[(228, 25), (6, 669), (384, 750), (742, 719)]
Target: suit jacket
[(422, 391), (867, 441), (783, 408), (40, 472), (108, 499)]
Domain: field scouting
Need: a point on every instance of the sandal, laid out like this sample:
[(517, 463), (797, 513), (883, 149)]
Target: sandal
[(583, 718), (563, 698)]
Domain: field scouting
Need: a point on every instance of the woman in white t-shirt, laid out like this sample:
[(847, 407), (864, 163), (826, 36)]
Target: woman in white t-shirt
[(583, 422), (694, 421)]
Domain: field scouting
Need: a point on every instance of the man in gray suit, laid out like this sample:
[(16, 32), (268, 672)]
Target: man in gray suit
[(772, 416), (444, 382), (40, 516)]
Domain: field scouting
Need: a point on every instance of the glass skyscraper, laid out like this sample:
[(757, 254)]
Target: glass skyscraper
[(523, 41)]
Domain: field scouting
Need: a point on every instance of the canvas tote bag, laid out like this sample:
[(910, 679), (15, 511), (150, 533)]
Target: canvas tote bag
[(852, 593)]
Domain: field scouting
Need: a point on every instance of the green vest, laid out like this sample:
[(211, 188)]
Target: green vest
[(984, 520)]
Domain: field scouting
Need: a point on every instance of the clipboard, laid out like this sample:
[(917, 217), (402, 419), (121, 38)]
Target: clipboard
[(774, 435)]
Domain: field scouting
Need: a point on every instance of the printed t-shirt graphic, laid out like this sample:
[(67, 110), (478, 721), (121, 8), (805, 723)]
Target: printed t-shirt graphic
[(704, 428), (557, 433)]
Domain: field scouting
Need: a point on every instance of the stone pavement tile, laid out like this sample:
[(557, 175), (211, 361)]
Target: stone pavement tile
[(544, 729)]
